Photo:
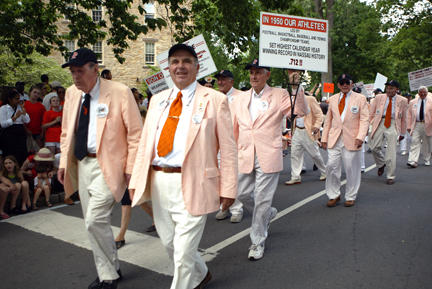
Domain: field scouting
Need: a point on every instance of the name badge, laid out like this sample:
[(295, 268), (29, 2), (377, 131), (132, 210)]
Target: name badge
[(354, 109), (197, 118), (102, 110), (378, 111), (263, 106)]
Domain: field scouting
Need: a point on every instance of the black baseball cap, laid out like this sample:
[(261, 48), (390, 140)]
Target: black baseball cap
[(224, 73), (184, 47), (378, 90), (392, 83), (255, 63), (80, 57), (344, 78)]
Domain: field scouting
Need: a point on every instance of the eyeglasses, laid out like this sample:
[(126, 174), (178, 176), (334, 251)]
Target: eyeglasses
[(343, 82)]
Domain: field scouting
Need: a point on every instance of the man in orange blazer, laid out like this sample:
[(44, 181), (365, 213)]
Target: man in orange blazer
[(101, 126), (388, 122), (257, 117), (345, 129), (225, 80), (305, 137), (420, 126), (177, 165)]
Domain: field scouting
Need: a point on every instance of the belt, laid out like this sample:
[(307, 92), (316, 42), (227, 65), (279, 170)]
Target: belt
[(300, 127), (167, 169), (90, 155)]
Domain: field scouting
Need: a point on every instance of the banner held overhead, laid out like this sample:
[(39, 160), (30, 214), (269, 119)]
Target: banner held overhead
[(293, 42)]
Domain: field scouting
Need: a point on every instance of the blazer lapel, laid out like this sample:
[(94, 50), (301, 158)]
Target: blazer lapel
[(161, 105), (199, 108), (245, 107), (103, 105), (266, 97)]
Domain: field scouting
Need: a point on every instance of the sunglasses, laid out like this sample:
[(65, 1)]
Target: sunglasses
[(343, 82)]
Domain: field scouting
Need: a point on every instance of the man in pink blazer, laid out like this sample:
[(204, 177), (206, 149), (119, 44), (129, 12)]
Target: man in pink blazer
[(184, 181), (420, 126), (388, 123), (101, 126), (345, 129), (257, 117), (225, 80)]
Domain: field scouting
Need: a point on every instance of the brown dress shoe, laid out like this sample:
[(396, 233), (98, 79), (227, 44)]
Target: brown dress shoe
[(381, 170), (333, 202), (390, 182), (349, 203), (205, 281)]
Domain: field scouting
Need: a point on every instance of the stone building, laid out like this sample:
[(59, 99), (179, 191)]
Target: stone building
[(141, 54)]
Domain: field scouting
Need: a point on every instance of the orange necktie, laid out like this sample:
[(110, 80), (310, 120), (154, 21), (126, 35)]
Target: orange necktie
[(387, 120), (342, 104), (166, 139)]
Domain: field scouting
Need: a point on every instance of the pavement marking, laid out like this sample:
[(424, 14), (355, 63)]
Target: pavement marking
[(142, 250), (213, 251)]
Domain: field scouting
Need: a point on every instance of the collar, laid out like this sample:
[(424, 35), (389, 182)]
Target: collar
[(95, 90), (230, 92), (347, 95), (259, 95), (187, 93)]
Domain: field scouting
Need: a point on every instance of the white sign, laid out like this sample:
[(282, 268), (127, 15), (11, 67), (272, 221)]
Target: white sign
[(293, 42), (419, 78), (369, 89), (207, 65), (156, 83), (380, 81)]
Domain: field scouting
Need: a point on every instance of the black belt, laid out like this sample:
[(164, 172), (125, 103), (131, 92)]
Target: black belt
[(300, 127), (91, 155), (167, 169)]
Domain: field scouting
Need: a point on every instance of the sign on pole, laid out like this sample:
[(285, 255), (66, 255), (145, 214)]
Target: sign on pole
[(419, 78), (328, 87), (156, 83), (207, 65), (380, 81), (293, 42)]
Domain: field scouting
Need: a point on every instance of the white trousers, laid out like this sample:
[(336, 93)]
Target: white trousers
[(256, 191), (391, 136), (405, 143), (419, 140), (179, 231), (300, 143), (337, 156), (97, 202)]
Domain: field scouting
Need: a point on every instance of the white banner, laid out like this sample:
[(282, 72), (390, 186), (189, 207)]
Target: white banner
[(380, 81), (293, 42), (207, 65), (156, 83), (419, 78)]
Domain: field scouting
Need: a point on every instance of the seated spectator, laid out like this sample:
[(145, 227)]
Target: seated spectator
[(13, 137), (52, 125), (11, 171), (44, 169), (36, 110), (5, 189)]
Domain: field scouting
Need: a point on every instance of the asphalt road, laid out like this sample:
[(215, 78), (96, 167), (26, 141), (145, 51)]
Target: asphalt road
[(383, 242)]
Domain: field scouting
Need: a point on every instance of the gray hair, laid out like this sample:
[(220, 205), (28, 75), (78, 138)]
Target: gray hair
[(423, 88)]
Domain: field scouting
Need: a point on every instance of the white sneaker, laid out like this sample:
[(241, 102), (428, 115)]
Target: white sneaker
[(222, 215), (293, 182), (256, 252), (403, 153), (236, 218), (323, 177), (427, 163)]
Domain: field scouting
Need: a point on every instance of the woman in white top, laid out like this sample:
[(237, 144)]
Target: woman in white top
[(12, 119)]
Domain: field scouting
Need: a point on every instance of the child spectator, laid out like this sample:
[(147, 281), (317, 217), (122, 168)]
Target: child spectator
[(11, 171), (36, 111), (44, 169), (52, 125)]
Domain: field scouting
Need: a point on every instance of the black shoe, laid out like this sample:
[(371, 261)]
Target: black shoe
[(302, 172), (315, 168), (120, 244), (150, 229), (96, 284)]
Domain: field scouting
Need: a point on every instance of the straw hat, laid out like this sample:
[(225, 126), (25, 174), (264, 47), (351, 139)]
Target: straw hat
[(44, 155)]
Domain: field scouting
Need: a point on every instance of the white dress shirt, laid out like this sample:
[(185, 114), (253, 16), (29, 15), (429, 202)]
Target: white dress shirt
[(300, 122), (92, 129), (6, 113), (393, 106), (256, 105), (418, 108), (346, 103), (176, 156), (229, 94)]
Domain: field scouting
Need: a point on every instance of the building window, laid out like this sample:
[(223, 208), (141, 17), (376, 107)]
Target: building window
[(149, 53), (97, 49), (150, 10), (97, 14), (70, 45)]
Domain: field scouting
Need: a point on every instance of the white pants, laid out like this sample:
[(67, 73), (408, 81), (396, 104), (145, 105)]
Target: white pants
[(300, 143), (362, 158), (97, 202), (351, 162), (419, 140), (405, 143), (390, 135), (179, 231), (256, 191)]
